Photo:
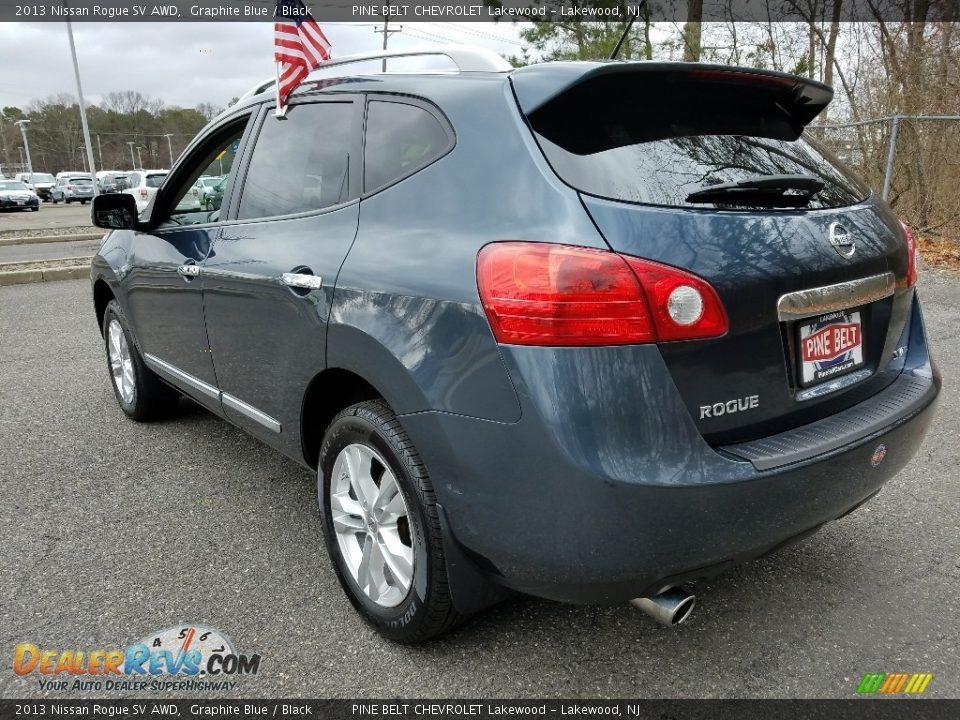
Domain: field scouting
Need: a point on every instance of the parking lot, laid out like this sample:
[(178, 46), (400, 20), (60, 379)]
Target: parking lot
[(111, 530), (48, 217)]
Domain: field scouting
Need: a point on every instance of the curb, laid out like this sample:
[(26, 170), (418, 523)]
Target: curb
[(83, 260), (23, 240), (21, 277)]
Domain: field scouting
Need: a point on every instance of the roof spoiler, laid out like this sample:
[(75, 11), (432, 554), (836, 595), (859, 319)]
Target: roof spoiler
[(537, 86)]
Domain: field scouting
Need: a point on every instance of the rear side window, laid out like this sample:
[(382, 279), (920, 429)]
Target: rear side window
[(687, 137), (134, 179), (400, 140), (300, 164)]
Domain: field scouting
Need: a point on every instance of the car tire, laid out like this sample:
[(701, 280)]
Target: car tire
[(366, 446), (141, 394), (83, 202)]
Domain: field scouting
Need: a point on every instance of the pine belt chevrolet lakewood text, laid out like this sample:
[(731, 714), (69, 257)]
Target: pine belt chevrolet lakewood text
[(587, 331)]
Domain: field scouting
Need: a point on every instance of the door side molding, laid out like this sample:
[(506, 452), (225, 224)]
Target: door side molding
[(251, 412), (179, 377), (185, 380)]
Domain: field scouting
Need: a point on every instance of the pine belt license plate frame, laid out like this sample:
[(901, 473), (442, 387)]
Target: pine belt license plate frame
[(829, 346)]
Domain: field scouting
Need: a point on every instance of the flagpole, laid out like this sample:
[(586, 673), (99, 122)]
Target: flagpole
[(83, 108), (281, 113)]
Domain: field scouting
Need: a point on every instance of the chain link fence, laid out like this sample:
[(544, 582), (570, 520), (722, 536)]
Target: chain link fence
[(913, 161)]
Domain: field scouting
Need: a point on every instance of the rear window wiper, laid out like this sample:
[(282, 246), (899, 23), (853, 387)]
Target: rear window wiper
[(763, 191)]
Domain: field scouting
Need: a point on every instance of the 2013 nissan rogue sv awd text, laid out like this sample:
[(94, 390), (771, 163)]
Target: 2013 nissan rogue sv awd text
[(587, 331)]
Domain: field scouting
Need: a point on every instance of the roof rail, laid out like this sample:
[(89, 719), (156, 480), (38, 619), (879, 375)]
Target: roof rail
[(467, 58)]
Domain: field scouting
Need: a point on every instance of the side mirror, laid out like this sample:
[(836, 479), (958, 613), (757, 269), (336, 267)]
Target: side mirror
[(114, 211)]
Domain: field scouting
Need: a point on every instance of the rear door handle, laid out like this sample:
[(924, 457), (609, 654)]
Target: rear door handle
[(189, 271), (301, 280)]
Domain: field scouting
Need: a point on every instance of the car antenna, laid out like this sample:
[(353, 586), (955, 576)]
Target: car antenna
[(633, 16)]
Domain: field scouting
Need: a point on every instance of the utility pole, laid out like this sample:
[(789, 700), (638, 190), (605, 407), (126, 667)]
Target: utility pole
[(170, 147), (83, 157), (139, 159), (22, 124), (3, 142), (387, 32), (99, 151), (83, 107), (133, 162)]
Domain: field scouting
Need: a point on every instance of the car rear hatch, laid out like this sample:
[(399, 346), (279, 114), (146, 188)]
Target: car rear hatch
[(706, 168)]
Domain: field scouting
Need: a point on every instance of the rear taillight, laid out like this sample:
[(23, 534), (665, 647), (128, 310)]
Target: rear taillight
[(69, 186), (143, 193), (546, 294), (685, 307), (913, 257)]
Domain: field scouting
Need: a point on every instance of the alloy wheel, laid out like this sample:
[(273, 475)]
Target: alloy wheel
[(121, 363), (372, 525)]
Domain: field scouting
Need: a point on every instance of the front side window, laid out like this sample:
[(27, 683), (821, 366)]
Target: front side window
[(300, 164), (400, 140), (190, 206)]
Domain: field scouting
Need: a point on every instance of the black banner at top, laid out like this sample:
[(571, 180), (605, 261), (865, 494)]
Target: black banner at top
[(412, 11)]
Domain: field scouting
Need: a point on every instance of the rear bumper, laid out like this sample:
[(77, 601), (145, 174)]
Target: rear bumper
[(594, 497)]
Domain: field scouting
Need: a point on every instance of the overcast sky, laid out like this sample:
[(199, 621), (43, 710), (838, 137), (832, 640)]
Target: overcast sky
[(188, 63)]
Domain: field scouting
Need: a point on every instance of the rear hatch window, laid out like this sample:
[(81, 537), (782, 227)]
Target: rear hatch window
[(676, 171), (683, 137), (154, 181)]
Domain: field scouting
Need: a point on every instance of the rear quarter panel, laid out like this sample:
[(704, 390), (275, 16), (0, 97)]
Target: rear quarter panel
[(406, 313)]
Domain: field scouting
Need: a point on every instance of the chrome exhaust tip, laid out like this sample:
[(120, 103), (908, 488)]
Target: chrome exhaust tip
[(669, 608)]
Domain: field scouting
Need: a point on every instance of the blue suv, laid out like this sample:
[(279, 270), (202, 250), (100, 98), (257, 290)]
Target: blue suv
[(587, 331)]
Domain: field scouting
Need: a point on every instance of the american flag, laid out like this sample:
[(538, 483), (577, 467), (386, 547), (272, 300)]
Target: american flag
[(299, 45)]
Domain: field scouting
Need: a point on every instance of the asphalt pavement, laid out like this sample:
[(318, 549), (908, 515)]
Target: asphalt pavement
[(48, 217), (111, 529)]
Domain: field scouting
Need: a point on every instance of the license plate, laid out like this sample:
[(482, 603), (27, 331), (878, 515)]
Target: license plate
[(829, 346), (21, 202)]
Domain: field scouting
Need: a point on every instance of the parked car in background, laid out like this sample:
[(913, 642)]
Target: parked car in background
[(113, 182), (205, 186), (214, 196), (15, 195), (40, 183), (190, 202), (143, 185), (72, 188), (647, 341)]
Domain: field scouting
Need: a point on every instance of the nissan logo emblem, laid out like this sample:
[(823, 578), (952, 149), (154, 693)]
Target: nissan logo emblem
[(842, 240)]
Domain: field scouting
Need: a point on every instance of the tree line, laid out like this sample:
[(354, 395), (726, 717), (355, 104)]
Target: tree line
[(878, 69), (55, 134)]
